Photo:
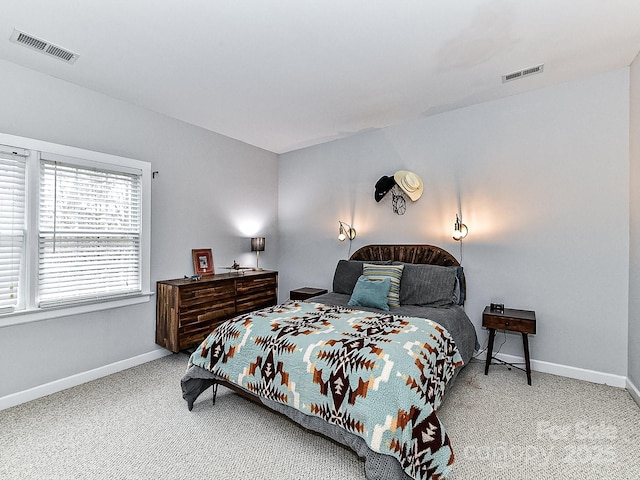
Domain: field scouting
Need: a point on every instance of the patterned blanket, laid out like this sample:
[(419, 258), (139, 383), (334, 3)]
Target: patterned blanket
[(379, 376)]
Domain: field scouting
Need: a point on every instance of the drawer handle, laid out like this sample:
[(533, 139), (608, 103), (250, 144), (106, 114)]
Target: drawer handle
[(506, 324)]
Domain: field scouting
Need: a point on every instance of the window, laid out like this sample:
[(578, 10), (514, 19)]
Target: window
[(74, 227), (89, 233), (12, 223)]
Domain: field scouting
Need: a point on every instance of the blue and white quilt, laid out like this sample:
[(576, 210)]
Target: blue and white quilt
[(379, 376)]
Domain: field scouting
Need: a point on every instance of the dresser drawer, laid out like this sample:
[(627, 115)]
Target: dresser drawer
[(206, 311), (246, 285), (256, 300), (194, 334), (206, 293)]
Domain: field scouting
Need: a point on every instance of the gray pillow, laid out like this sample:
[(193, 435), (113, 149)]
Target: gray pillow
[(459, 290), (431, 285), (347, 274)]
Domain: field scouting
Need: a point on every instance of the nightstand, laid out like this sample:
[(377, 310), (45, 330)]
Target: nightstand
[(523, 321), (306, 292)]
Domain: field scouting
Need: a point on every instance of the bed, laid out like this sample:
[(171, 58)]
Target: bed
[(367, 365)]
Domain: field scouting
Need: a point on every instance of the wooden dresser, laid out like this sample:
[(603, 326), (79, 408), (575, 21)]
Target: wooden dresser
[(188, 310)]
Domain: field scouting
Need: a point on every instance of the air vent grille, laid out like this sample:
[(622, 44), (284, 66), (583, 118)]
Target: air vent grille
[(60, 53), (523, 73), (22, 38), (31, 42)]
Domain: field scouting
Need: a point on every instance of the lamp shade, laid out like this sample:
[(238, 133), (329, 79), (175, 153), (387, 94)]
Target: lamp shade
[(257, 244)]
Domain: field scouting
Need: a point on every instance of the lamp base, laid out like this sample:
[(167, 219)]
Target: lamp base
[(257, 268)]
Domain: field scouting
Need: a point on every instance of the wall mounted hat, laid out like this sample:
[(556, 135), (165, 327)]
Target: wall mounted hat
[(410, 183), (383, 186)]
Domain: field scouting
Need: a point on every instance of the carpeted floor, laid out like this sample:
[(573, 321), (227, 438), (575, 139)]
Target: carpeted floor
[(558, 428), (135, 425)]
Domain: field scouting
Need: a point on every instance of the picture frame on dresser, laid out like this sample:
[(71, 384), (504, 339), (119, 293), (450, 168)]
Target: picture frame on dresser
[(202, 261)]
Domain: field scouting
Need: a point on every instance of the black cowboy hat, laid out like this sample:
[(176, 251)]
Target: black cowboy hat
[(383, 186)]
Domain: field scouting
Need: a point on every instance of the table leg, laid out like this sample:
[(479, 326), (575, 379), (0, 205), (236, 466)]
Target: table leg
[(492, 336), (525, 343)]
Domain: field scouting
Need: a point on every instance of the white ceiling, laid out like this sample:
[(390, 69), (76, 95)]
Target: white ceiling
[(285, 74)]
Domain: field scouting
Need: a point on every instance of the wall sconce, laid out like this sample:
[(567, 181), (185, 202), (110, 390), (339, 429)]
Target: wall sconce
[(460, 230), (346, 231), (257, 245)]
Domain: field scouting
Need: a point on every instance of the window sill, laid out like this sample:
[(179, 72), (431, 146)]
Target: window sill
[(38, 314)]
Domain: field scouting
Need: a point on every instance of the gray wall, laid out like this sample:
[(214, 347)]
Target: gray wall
[(634, 255), (541, 180), (211, 191)]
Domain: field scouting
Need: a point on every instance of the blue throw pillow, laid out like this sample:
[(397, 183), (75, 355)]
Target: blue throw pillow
[(370, 293)]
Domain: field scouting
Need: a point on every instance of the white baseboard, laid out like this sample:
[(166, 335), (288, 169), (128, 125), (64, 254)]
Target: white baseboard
[(633, 391), (78, 379), (567, 371)]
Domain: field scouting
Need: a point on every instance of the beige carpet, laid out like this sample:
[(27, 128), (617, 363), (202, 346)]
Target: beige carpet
[(135, 425), (558, 428)]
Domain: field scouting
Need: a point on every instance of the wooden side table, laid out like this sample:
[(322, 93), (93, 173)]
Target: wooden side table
[(523, 321), (306, 292)]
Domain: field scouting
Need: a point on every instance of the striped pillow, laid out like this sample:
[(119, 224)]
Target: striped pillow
[(393, 273)]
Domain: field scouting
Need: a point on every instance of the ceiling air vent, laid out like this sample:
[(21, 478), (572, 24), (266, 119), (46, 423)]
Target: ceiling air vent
[(523, 73), (43, 46)]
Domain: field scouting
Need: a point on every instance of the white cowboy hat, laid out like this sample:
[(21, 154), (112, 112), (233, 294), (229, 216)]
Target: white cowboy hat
[(410, 183)]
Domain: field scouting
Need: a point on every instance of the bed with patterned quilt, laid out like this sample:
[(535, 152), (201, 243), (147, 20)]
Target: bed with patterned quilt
[(367, 365)]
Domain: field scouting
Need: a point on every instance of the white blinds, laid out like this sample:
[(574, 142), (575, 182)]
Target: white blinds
[(12, 223), (89, 234)]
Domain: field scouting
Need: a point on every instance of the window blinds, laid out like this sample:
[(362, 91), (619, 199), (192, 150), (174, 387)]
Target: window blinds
[(89, 233), (12, 223)]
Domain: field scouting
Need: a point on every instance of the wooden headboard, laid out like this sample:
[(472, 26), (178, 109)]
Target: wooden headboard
[(428, 254)]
